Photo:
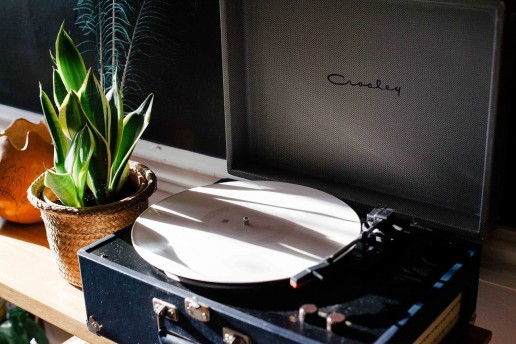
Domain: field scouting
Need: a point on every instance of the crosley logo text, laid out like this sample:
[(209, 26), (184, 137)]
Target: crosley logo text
[(338, 79)]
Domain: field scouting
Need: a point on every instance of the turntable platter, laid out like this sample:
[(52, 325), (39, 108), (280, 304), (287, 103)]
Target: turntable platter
[(243, 232)]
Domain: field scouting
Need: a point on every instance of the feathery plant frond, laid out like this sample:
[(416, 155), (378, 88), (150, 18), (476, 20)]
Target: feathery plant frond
[(119, 29)]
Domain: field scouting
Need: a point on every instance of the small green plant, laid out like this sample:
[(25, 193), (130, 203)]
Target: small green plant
[(93, 138)]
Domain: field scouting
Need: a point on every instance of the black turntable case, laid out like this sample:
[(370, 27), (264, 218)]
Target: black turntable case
[(375, 102)]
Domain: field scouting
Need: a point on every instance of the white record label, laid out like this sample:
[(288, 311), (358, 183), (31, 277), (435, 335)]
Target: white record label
[(243, 232)]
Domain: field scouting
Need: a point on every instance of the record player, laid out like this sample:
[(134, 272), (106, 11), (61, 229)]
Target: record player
[(361, 137)]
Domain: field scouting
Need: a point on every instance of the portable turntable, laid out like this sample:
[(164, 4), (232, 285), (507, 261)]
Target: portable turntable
[(362, 134)]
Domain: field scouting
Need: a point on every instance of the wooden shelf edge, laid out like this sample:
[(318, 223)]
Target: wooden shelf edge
[(29, 278)]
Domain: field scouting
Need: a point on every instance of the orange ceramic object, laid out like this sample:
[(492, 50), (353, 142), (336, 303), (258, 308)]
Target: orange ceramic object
[(25, 152)]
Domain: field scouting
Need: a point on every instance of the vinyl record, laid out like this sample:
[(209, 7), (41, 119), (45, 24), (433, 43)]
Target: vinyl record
[(243, 232)]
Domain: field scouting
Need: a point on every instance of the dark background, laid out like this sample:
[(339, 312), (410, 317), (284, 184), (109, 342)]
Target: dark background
[(182, 66)]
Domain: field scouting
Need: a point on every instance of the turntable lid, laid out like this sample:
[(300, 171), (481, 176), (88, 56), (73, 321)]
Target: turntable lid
[(243, 232), (374, 101)]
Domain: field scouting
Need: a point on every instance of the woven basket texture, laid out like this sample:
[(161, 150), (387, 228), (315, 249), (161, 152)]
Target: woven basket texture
[(69, 229)]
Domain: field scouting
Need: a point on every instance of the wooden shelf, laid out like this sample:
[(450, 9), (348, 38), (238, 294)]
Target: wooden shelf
[(30, 279)]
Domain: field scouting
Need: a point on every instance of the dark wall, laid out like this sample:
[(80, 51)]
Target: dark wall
[(181, 65), (28, 32), (507, 107)]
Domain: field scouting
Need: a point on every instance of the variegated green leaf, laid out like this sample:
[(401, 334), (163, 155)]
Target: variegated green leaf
[(78, 159), (71, 117), (59, 89), (70, 64), (98, 171), (63, 186), (123, 177), (116, 105), (95, 104), (134, 125), (61, 145)]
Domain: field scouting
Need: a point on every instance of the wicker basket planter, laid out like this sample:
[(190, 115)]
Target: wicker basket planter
[(69, 229)]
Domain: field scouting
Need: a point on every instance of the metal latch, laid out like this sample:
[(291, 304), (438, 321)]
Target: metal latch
[(163, 310), (196, 310), (230, 336), (93, 325)]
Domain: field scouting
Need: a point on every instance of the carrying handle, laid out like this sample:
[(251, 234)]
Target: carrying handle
[(167, 310)]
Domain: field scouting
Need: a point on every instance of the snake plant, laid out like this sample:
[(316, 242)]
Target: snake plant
[(93, 137)]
